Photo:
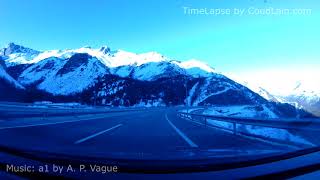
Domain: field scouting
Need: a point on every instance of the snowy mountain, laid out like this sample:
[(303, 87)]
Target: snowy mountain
[(309, 91), (17, 49), (16, 54), (57, 71), (304, 95), (63, 76), (262, 92), (120, 78)]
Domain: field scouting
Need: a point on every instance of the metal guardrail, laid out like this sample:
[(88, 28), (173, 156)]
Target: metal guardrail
[(305, 124)]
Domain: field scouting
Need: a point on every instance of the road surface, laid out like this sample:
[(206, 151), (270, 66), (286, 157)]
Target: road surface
[(151, 133)]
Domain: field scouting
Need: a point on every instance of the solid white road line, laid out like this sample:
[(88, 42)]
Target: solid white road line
[(97, 134), (189, 141)]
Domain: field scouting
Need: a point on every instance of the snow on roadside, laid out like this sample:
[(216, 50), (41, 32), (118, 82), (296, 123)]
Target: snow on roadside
[(266, 132), (241, 111), (251, 112)]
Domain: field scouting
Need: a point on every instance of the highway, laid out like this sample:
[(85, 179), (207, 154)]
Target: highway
[(151, 133)]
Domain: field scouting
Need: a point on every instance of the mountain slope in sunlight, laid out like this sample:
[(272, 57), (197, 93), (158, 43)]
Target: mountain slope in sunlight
[(120, 78)]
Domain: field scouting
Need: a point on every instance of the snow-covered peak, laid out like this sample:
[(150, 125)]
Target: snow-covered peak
[(123, 58), (195, 68), (104, 54), (307, 88), (263, 92), (153, 61), (13, 48), (105, 49), (256, 88), (17, 54), (196, 64), (151, 57)]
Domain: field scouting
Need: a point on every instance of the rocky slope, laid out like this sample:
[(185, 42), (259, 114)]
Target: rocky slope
[(120, 78)]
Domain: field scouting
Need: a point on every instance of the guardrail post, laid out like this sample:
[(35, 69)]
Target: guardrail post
[(234, 128)]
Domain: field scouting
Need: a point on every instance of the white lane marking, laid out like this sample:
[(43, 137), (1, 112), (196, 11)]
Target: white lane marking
[(50, 123), (189, 141), (96, 134)]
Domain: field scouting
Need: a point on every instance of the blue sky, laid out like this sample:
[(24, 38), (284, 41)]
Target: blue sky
[(229, 43)]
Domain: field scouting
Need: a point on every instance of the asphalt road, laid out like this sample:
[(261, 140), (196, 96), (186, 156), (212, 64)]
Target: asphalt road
[(154, 133)]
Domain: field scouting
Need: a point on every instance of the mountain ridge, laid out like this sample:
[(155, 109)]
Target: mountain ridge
[(118, 78), (301, 96)]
